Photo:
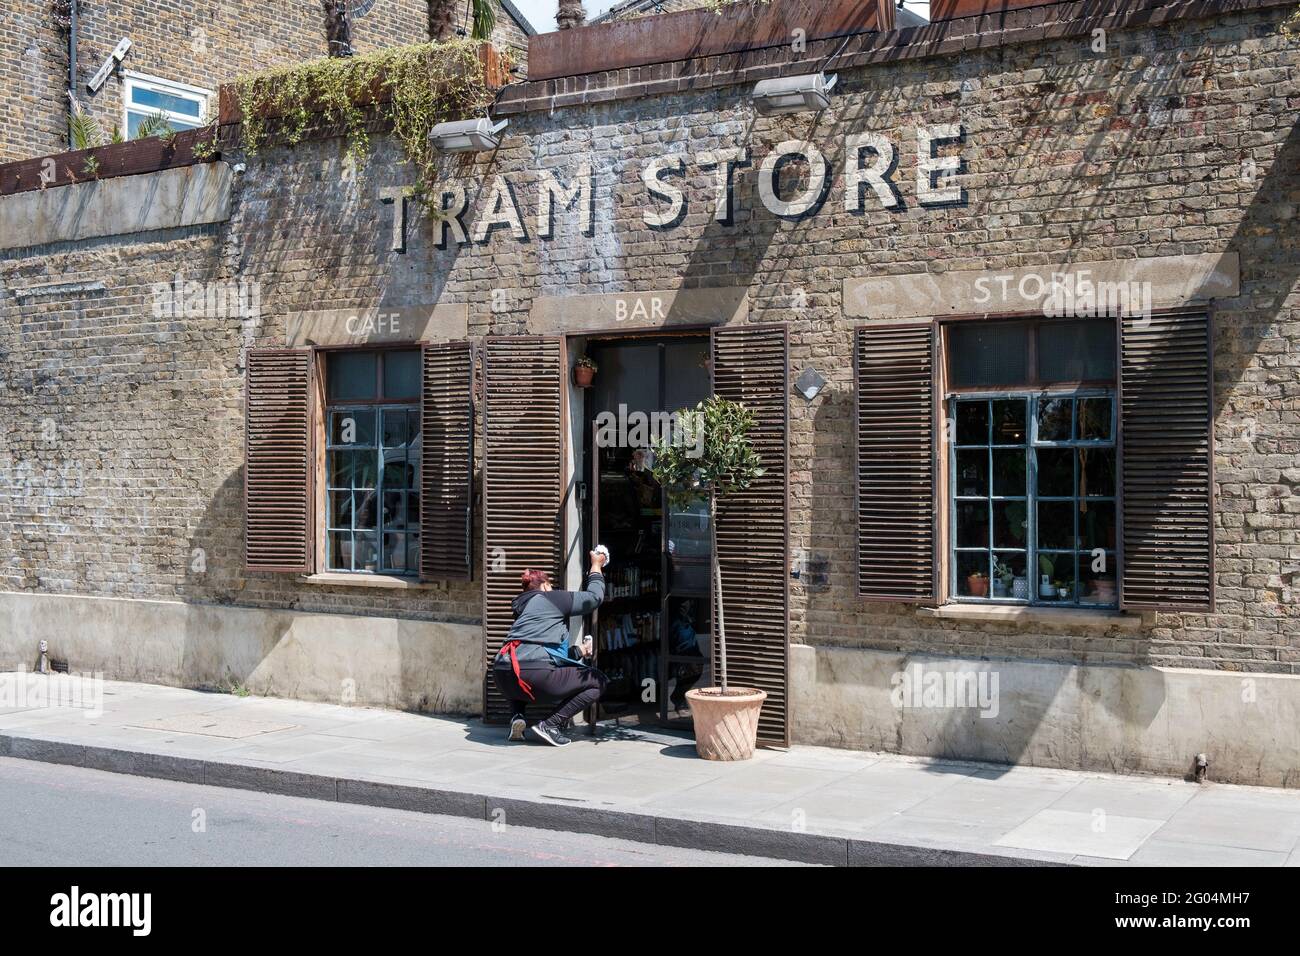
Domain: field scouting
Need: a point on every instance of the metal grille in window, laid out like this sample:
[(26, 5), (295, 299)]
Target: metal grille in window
[(1033, 498)]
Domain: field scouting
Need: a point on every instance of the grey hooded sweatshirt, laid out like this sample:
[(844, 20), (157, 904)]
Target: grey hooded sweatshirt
[(542, 622)]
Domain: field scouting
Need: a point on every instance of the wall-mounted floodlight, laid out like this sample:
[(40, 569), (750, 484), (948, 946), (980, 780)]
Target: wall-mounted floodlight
[(793, 94), (467, 136), (114, 58)]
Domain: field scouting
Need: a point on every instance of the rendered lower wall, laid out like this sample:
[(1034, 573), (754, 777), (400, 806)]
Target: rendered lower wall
[(1112, 718), (334, 658)]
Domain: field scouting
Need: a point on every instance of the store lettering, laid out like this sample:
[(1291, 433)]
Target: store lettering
[(870, 169)]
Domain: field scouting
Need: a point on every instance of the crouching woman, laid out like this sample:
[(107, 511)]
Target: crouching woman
[(536, 663)]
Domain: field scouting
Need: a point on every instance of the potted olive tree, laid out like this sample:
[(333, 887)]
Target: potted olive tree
[(709, 454)]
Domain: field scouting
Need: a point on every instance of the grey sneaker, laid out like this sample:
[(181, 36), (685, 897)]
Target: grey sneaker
[(517, 728), (550, 734)]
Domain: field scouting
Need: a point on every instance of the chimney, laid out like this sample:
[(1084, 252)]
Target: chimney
[(571, 14)]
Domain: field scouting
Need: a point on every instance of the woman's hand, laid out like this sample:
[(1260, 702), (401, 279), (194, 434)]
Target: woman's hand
[(597, 560)]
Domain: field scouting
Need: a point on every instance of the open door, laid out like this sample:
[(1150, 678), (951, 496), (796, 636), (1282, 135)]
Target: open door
[(523, 480), (750, 366)]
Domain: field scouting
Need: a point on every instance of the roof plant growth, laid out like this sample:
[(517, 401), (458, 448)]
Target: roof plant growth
[(411, 87), (710, 454)]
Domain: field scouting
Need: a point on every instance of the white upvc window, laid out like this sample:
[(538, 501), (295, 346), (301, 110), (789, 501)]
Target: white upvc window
[(183, 106)]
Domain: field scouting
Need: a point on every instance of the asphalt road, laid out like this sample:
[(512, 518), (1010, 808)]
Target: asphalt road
[(52, 815)]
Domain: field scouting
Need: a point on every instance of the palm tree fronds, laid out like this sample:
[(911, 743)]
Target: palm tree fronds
[(155, 124), (484, 15)]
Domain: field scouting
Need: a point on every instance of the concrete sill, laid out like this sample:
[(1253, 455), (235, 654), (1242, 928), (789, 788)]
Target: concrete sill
[(1059, 617), (369, 581)]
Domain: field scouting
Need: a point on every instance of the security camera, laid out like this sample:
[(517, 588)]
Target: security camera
[(793, 94), (467, 136)]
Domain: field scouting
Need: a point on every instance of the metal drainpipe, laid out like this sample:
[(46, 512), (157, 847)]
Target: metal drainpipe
[(72, 70)]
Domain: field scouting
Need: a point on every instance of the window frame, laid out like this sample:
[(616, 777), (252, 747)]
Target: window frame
[(1032, 444), (1031, 323), (379, 405), (131, 80), (946, 394)]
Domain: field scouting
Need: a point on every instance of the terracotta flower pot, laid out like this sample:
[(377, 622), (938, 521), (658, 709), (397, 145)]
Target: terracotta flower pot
[(583, 376), (726, 728), (979, 587)]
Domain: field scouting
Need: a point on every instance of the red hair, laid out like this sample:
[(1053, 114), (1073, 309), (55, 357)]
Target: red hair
[(533, 579)]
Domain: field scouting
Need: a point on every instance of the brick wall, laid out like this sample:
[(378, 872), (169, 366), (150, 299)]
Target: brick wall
[(1174, 140), (203, 43)]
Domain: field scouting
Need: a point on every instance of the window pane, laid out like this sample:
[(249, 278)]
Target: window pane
[(340, 551), (365, 551), (1009, 422), (983, 354), (394, 510), (1055, 472), (1096, 524), (412, 552), (1076, 351), (155, 100), (1056, 524), (972, 473), (1010, 524), (1054, 419), (1009, 577), (394, 555), (968, 564), (351, 375), (353, 427), (340, 509), (366, 511), (1094, 419), (1009, 472), (352, 469), (396, 429), (402, 374), (972, 423), (1097, 585), (972, 524), (1097, 472), (398, 474), (1059, 570)]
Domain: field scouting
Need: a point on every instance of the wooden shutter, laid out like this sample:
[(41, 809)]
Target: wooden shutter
[(278, 461), (894, 425), (447, 463), (750, 366), (1166, 462), (523, 472)]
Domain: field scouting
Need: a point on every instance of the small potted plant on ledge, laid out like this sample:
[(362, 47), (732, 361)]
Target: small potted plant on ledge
[(710, 454), (584, 372), (978, 584), (1002, 577)]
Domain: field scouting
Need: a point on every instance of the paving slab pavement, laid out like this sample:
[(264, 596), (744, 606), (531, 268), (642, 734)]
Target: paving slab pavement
[(806, 803)]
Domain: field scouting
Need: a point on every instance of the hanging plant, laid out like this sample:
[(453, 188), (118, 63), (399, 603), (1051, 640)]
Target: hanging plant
[(412, 88)]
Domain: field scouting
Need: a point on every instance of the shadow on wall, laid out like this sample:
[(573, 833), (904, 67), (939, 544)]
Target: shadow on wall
[(342, 651)]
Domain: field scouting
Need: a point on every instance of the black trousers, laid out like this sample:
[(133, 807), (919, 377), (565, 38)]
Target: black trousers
[(569, 689)]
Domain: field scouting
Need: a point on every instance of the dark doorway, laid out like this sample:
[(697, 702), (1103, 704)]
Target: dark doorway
[(653, 633)]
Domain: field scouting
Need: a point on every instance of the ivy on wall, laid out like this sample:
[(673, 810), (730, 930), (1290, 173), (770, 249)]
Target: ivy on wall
[(413, 88)]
